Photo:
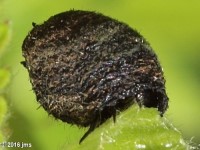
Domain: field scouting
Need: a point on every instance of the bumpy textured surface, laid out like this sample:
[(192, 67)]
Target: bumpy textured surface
[(84, 66)]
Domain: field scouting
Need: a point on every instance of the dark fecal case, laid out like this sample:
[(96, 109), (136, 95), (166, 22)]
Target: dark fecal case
[(85, 66)]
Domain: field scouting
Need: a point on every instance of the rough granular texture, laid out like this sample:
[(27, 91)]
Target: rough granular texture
[(84, 66)]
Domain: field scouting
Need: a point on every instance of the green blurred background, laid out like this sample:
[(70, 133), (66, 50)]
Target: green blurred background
[(172, 28)]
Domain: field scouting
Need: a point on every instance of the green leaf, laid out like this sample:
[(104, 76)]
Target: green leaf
[(4, 78), (4, 36), (3, 108), (134, 129), (3, 111)]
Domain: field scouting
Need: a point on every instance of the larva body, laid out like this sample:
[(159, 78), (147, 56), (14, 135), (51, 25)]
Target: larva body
[(84, 66)]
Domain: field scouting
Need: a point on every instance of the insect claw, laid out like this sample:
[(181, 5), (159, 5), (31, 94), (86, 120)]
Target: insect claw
[(93, 125)]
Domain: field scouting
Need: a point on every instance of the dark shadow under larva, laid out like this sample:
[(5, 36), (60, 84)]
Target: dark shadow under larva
[(85, 66)]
